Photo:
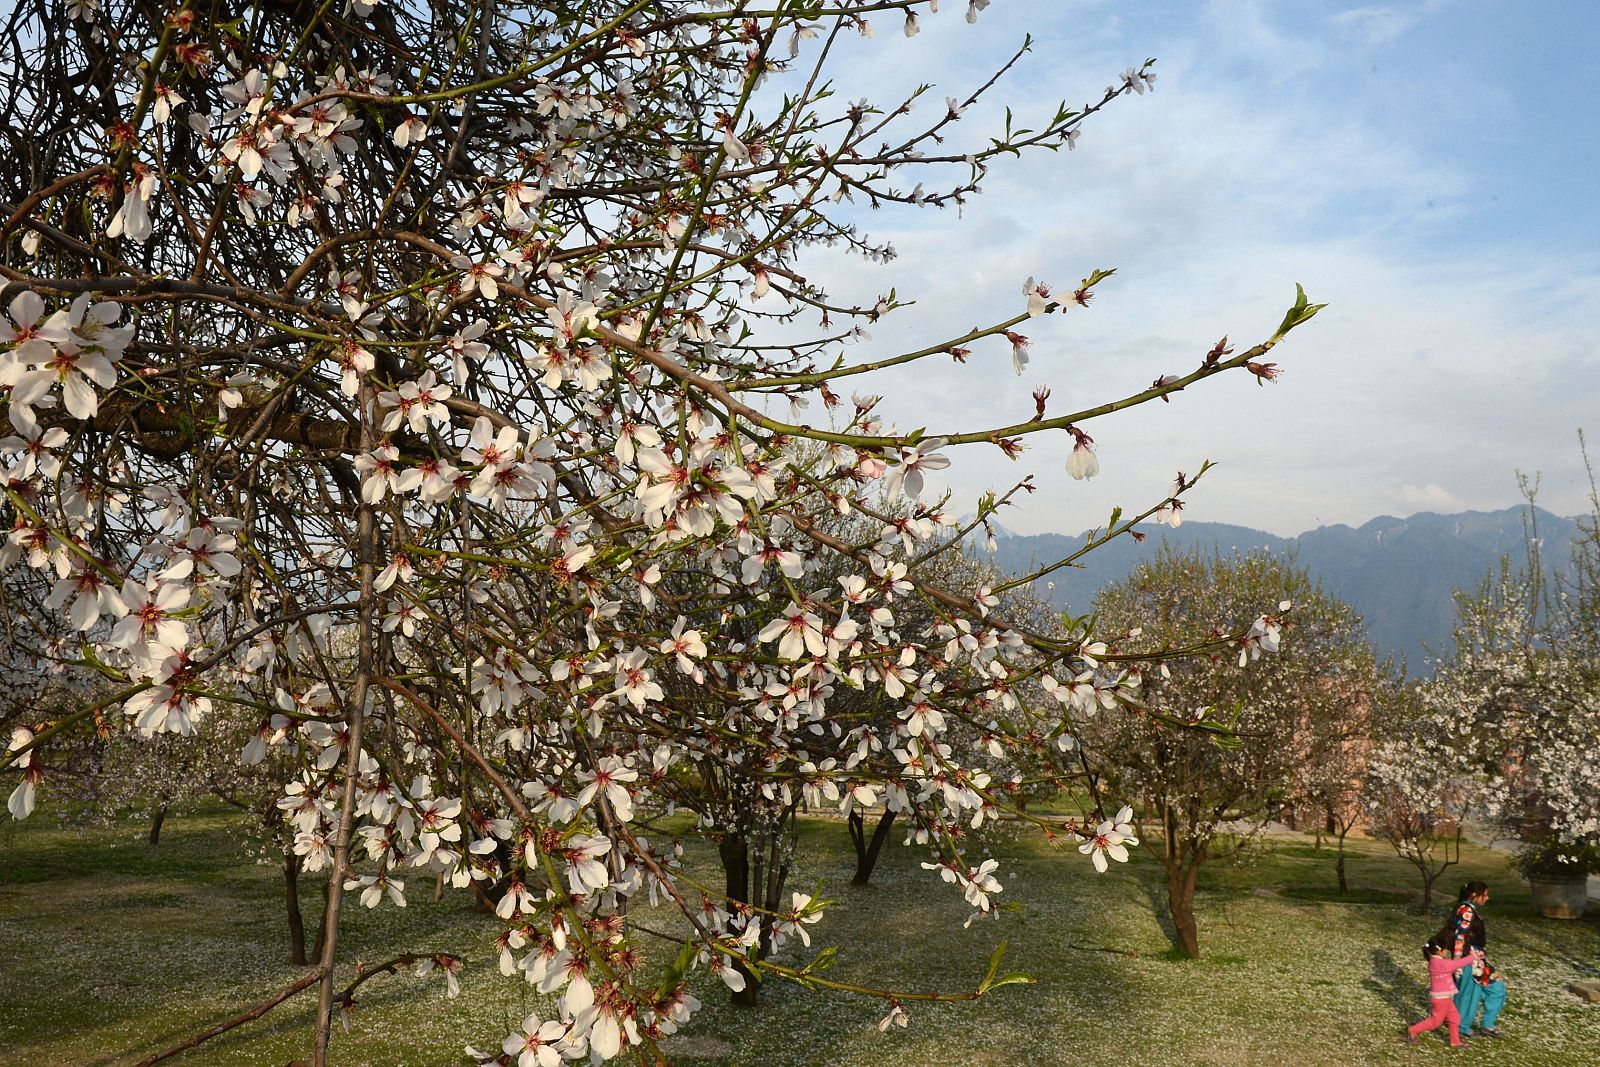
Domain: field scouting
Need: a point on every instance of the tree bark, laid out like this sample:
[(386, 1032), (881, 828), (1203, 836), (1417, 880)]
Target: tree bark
[(341, 846), (1344, 886), (155, 825), (734, 850), (1180, 901), (322, 927), (366, 642), (867, 850), (291, 892)]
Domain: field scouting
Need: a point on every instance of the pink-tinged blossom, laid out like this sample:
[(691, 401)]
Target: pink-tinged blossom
[(132, 219), (441, 480), (355, 362), (166, 99), (381, 474), (630, 437), (248, 94), (91, 595), (541, 1043), (686, 645), (610, 779), (731, 976), (77, 357), (548, 799), (30, 339), (151, 629), (1082, 463), (907, 475), (168, 706), (797, 631), (448, 966), (1019, 351), (1038, 295), (416, 404), (466, 345), (1111, 838), (398, 569), (635, 681), (586, 870), (480, 277), (1138, 79), (35, 449), (374, 886), (411, 130), (570, 318)]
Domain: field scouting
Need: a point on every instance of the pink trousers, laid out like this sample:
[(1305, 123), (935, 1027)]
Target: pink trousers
[(1444, 1011)]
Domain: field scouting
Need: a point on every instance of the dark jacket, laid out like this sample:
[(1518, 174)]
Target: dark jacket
[(1469, 935)]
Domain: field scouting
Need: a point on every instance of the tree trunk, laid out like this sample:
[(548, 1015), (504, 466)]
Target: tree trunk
[(1344, 886), (291, 892), (867, 850), (155, 825), (322, 927), (734, 850), (1180, 901)]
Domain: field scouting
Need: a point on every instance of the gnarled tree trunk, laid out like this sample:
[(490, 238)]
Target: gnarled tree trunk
[(322, 927), (734, 849), (755, 865), (291, 892), (867, 849), (1180, 900), (1344, 886)]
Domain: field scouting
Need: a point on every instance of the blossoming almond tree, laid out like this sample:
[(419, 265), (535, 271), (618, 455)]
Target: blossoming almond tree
[(1521, 689), (410, 374), (1213, 758)]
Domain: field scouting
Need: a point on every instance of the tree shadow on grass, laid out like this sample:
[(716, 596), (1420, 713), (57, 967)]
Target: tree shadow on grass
[(1394, 984), (1571, 948), (1155, 890)]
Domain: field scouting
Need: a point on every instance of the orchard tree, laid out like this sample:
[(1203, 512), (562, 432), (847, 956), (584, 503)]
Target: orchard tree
[(1334, 735), (1424, 781), (1448, 741), (1523, 682), (751, 814), (1212, 754), (386, 365), (1558, 769)]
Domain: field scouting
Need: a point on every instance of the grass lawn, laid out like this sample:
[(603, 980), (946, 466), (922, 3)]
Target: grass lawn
[(113, 949)]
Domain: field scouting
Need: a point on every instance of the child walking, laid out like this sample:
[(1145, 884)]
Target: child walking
[(1442, 987)]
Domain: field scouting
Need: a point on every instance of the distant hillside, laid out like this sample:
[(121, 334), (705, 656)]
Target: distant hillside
[(1399, 573)]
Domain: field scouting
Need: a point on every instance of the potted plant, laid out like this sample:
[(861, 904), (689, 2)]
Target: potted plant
[(1558, 876)]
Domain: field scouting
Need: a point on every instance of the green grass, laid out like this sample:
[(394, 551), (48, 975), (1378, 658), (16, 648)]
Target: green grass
[(1330, 894), (113, 949)]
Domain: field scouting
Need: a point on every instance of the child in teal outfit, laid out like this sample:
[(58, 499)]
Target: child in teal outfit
[(1481, 986)]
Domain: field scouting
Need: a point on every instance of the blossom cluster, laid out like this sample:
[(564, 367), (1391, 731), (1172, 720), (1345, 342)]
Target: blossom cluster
[(426, 410)]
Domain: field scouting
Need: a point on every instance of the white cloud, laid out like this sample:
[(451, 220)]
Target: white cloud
[(1428, 498), (1432, 376), (1381, 25)]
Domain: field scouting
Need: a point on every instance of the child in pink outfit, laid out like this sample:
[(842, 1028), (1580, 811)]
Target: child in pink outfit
[(1442, 990)]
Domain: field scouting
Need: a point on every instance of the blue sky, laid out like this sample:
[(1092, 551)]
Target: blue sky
[(1426, 168)]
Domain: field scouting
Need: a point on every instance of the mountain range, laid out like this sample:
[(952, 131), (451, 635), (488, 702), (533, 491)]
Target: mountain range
[(1400, 574)]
